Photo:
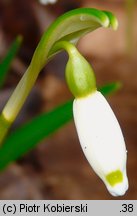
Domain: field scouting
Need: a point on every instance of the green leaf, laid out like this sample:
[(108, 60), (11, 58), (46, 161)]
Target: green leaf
[(28, 136), (110, 88), (6, 62)]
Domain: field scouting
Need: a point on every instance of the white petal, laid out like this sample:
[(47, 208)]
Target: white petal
[(101, 139), (47, 1)]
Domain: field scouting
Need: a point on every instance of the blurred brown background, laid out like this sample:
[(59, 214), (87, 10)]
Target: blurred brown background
[(57, 168)]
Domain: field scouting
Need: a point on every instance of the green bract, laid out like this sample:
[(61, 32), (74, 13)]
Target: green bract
[(68, 27)]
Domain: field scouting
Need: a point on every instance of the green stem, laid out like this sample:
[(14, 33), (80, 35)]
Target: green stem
[(16, 101), (19, 95), (4, 126), (25, 85), (22, 90)]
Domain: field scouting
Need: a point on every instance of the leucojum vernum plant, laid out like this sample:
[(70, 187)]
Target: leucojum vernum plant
[(98, 129)]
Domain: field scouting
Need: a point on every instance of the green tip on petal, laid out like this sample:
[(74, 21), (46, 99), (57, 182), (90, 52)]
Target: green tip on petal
[(114, 177)]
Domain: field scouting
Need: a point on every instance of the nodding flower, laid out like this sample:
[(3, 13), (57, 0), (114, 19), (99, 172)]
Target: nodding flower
[(98, 130)]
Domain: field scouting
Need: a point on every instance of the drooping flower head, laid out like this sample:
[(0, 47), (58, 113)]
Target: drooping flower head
[(98, 130)]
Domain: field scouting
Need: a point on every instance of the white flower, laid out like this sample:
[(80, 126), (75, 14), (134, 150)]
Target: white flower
[(102, 141), (47, 1)]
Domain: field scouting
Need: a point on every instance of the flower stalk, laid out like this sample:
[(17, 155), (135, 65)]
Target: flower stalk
[(4, 127), (98, 129)]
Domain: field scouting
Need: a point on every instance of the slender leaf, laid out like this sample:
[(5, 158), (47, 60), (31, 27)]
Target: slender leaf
[(28, 136), (110, 88), (6, 62)]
